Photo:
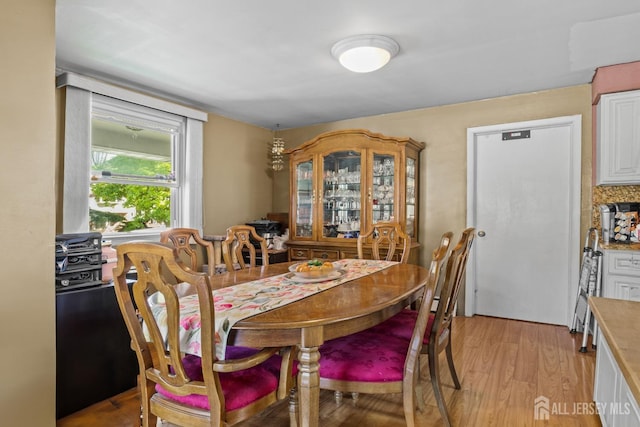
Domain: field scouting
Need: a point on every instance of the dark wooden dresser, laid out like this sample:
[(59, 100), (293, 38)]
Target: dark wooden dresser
[(94, 360)]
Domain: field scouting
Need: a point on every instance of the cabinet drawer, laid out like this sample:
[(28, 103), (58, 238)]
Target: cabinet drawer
[(623, 287), (325, 254), (366, 253), (626, 263), (298, 253), (349, 254)]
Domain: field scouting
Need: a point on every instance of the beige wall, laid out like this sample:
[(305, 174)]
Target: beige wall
[(27, 167), (443, 162), (237, 179)]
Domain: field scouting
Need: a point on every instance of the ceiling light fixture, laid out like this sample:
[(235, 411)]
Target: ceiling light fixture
[(365, 53)]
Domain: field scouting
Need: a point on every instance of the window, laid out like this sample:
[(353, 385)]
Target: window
[(135, 167), (131, 169)]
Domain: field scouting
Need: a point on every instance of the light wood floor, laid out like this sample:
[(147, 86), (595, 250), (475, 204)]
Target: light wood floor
[(503, 365)]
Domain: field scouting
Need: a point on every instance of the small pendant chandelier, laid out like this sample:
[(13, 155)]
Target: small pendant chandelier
[(277, 147)]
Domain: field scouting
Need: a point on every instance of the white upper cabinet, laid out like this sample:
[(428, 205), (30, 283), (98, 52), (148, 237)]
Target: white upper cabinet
[(618, 158)]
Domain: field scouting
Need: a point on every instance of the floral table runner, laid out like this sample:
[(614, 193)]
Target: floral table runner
[(238, 302)]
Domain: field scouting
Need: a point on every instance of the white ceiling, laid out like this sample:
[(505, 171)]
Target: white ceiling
[(269, 62)]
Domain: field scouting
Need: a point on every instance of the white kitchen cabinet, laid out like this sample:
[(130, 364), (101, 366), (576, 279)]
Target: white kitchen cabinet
[(615, 403), (607, 376), (618, 146), (629, 411), (621, 275)]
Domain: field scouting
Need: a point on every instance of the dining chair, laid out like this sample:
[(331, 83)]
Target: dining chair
[(191, 248), (439, 326), (240, 243), (369, 362), (385, 237), (180, 388)]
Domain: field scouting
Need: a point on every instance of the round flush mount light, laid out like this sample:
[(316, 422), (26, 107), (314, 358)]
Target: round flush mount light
[(365, 53)]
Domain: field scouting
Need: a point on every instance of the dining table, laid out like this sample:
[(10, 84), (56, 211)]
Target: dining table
[(350, 307)]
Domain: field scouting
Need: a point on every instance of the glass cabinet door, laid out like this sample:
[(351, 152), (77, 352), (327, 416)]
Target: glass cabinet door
[(411, 186), (304, 199), (383, 187), (342, 195)]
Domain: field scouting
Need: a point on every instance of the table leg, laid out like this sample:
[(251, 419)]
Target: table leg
[(309, 378)]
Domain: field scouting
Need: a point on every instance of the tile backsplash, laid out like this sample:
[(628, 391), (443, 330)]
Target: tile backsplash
[(612, 194)]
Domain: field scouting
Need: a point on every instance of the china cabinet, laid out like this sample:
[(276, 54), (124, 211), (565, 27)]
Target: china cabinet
[(344, 181), (618, 139)]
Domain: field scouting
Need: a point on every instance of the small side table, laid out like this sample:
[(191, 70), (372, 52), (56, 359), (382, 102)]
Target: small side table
[(217, 240)]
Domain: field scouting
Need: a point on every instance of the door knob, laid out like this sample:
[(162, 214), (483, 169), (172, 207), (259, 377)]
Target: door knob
[(481, 233)]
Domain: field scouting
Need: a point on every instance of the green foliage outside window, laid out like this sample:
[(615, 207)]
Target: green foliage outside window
[(152, 204)]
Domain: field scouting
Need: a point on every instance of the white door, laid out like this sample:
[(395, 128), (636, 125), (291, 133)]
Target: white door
[(523, 197)]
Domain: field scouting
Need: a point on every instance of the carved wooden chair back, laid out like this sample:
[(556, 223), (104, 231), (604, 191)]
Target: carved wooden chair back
[(240, 243), (454, 274), (386, 237), (440, 335), (191, 248)]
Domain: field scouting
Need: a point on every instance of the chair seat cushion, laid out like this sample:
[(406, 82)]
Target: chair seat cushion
[(365, 357), (401, 325), (273, 363), (239, 388)]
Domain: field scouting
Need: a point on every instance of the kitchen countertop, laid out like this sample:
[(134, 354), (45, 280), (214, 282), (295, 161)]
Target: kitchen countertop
[(620, 246), (618, 321)]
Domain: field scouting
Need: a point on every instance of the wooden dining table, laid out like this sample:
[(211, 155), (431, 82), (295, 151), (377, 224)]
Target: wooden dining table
[(339, 311)]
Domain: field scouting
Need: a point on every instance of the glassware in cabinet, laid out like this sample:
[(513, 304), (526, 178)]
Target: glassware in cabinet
[(383, 183), (304, 199), (342, 193), (411, 188)]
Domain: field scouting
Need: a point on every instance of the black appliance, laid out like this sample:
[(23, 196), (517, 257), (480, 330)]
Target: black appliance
[(78, 260), (266, 229), (619, 222), (94, 360)]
